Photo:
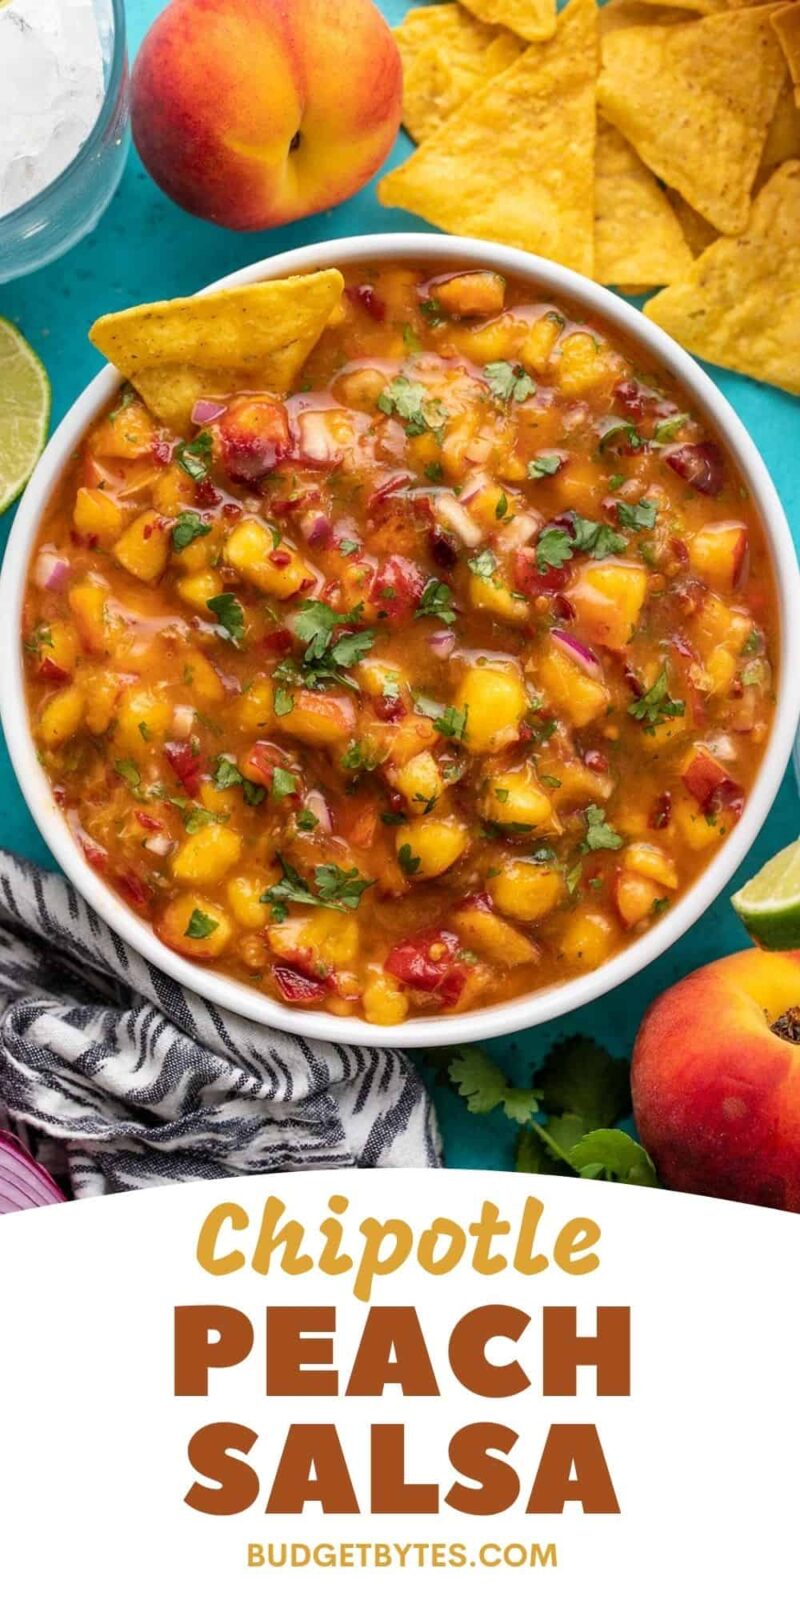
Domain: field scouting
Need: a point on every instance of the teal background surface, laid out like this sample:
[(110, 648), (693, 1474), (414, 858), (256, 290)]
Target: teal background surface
[(145, 248)]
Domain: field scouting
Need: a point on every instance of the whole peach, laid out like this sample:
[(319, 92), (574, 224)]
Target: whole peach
[(251, 113), (716, 1080)]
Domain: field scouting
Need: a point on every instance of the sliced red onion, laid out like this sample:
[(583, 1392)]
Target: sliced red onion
[(579, 653), (317, 443), (450, 511), (207, 411), (23, 1182), (473, 484), (51, 570), (315, 801), (158, 845), (182, 721), (442, 643), (389, 486), (520, 529), (700, 465)]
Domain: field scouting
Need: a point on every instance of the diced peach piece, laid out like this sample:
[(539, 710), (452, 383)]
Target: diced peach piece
[(515, 799), (318, 718), (584, 364), (127, 432), (526, 890), (87, 602), (102, 693), (383, 1000), (491, 594), (540, 340), (471, 294), (142, 716), (608, 597), (324, 939), (721, 666), (58, 651), (143, 549), (210, 925), (650, 861), (199, 588), (570, 690), (718, 553), (96, 516), (495, 701), (207, 855), (254, 707), (250, 549), (170, 492), (696, 829), (481, 929), (433, 843), (62, 716), (708, 781), (634, 896), (244, 896), (419, 782), (587, 938), (199, 674)]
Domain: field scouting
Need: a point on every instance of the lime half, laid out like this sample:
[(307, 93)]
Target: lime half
[(769, 905), (24, 412)]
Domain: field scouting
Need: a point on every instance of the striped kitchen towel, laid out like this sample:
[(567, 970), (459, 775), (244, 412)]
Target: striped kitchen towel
[(135, 1081)]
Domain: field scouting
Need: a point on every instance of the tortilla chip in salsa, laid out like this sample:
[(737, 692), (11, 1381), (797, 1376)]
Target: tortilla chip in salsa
[(176, 351)]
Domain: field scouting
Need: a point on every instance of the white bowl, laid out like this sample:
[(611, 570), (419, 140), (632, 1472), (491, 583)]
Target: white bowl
[(544, 1004)]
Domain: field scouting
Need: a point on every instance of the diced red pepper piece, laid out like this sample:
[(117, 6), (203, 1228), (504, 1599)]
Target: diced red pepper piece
[(711, 785), (428, 962), (51, 672), (134, 890), (363, 295), (529, 580), (297, 988), (662, 811), (397, 588), (152, 824), (186, 766)]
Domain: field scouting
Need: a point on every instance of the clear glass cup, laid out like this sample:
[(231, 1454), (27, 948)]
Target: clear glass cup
[(69, 207)]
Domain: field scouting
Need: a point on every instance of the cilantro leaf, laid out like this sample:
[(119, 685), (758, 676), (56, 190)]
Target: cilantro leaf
[(665, 430), (452, 723), (484, 1085), (599, 834), (508, 382), (324, 659), (642, 515), (553, 548), (283, 702), (544, 466), (284, 783), (199, 925), (411, 403), (408, 861), (131, 775), (581, 1077), (226, 774), (616, 430), (597, 539), (229, 614), (436, 600), (195, 458), (360, 757), (188, 527), (611, 1154), (432, 311), (338, 888), (655, 706), (483, 564)]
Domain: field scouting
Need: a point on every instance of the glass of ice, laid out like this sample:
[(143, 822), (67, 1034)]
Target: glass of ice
[(63, 124)]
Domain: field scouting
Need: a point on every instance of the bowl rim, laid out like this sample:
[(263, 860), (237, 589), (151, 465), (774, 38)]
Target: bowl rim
[(541, 1005)]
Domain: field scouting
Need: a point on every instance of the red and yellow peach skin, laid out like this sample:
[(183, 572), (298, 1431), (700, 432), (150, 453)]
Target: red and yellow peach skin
[(251, 113), (716, 1091)]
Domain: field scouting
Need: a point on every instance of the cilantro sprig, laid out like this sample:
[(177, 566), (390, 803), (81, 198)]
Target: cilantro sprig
[(565, 1114), (336, 888), (326, 658), (412, 405), (508, 381), (195, 457), (229, 615), (599, 833), (656, 706), (559, 542), (436, 600), (226, 775)]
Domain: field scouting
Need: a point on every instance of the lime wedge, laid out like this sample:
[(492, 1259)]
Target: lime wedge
[(769, 905), (24, 412)]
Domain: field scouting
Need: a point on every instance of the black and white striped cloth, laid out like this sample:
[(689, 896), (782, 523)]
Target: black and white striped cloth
[(135, 1081)]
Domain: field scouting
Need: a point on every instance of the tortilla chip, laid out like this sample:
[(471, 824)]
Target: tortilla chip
[(257, 337), (739, 304), (447, 54), (786, 23), (695, 102), (635, 13), (698, 233), (638, 239), (531, 19), (783, 136), (705, 8), (515, 163)]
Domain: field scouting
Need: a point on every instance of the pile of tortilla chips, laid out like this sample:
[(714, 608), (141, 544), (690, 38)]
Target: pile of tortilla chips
[(643, 144)]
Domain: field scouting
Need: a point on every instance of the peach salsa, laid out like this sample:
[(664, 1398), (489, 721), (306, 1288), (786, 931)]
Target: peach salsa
[(428, 683)]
